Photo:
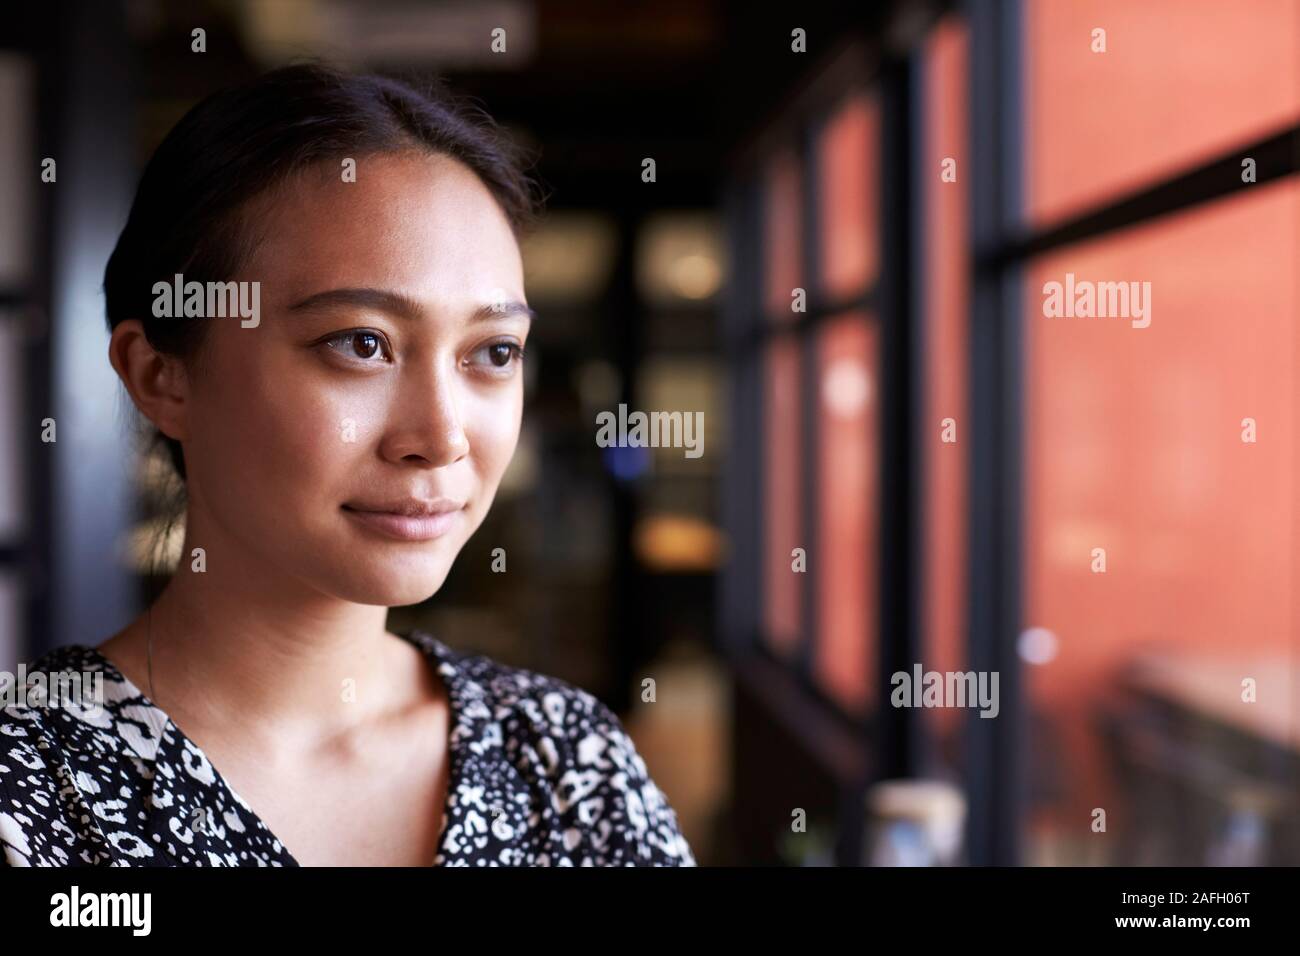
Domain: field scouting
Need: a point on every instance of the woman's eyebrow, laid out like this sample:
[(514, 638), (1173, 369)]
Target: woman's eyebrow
[(399, 305), (497, 310)]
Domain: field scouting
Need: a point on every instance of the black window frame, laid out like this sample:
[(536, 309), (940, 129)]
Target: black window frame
[(883, 743)]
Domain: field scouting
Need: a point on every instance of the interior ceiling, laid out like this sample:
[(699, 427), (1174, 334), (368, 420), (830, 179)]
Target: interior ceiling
[(596, 85)]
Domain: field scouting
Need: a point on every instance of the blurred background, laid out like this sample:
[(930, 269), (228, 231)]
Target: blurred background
[(841, 264)]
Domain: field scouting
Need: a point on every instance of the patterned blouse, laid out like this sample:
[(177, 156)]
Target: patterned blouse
[(542, 774)]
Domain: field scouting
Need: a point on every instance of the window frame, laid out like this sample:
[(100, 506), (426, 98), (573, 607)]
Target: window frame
[(884, 743)]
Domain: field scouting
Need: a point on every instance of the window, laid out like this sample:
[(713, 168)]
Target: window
[(846, 509), (848, 189), (783, 521), (818, 364), (1073, 370), (945, 264), (1179, 81), (1159, 424)]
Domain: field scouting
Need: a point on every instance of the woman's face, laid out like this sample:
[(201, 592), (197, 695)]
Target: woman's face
[(383, 376)]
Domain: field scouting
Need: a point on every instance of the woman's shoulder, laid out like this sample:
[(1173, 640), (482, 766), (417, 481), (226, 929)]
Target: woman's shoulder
[(485, 684), (67, 694), (44, 706), (70, 677), (535, 706), (70, 700), (561, 733), (538, 698)]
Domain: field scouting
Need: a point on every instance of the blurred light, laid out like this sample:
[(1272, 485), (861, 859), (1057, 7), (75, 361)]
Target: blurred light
[(450, 34), (846, 389), (687, 384), (914, 822), (695, 276), (679, 258), (667, 542), (569, 257), (626, 463), (1038, 645)]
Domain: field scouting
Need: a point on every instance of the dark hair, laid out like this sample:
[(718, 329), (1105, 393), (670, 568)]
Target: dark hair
[(244, 142)]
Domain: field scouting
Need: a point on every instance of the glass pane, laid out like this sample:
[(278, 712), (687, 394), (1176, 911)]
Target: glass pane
[(945, 297), (1160, 515), (848, 178), (846, 508), (783, 492), (782, 236), (1179, 81)]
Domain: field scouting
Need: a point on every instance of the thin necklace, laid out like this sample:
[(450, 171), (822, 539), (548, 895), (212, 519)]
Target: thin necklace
[(149, 654)]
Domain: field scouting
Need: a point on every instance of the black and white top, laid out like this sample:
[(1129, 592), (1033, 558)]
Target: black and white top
[(541, 774)]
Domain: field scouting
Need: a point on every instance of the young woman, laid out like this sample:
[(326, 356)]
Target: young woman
[(341, 417)]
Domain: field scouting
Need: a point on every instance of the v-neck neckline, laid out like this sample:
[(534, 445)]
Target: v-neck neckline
[(446, 668)]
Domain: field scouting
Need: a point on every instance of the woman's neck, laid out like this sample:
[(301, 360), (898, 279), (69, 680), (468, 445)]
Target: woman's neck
[(233, 645)]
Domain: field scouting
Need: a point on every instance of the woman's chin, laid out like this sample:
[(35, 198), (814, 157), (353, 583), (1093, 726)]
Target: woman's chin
[(394, 586)]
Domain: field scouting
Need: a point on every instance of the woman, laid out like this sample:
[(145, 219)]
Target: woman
[(341, 416)]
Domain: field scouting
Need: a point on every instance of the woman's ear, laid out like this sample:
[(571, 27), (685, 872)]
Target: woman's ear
[(156, 382)]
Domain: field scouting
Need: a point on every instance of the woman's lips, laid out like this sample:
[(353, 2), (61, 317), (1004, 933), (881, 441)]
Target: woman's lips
[(406, 527)]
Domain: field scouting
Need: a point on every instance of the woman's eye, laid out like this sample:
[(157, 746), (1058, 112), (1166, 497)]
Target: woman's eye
[(501, 356), (357, 343)]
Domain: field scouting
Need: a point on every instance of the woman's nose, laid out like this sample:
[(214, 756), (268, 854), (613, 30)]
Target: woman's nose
[(426, 423)]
